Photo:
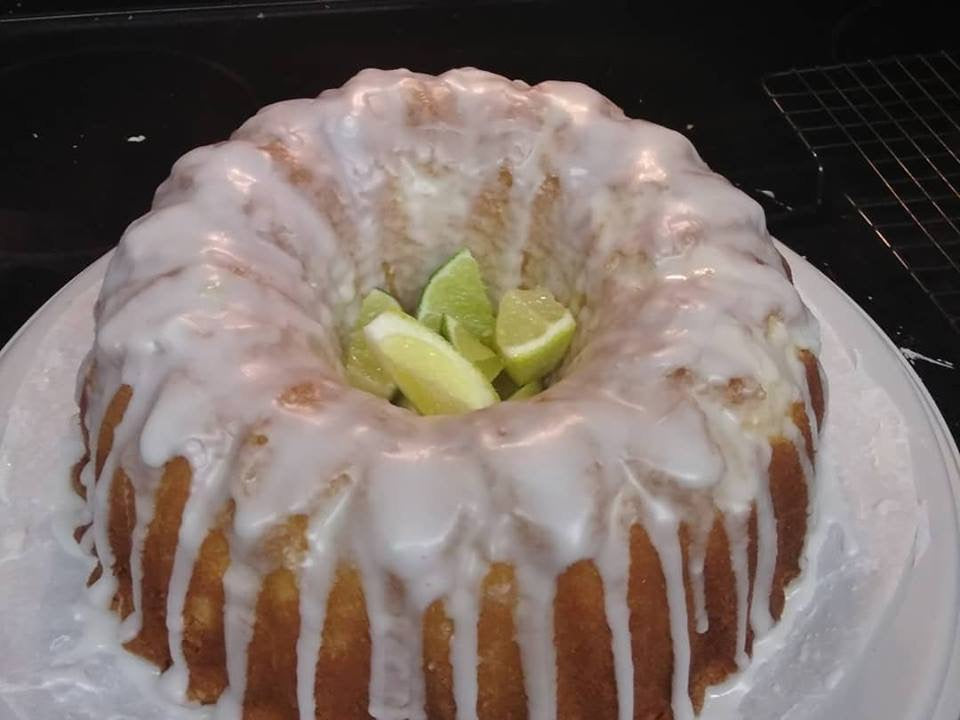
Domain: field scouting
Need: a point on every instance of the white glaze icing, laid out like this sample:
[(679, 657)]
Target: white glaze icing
[(238, 286)]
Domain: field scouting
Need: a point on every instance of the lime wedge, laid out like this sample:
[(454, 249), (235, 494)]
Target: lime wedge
[(527, 391), (457, 289), (376, 302), (364, 370), (463, 341), (426, 368), (533, 332)]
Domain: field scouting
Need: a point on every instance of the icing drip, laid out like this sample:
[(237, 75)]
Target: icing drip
[(760, 619), (396, 684), (224, 309), (614, 566), (465, 613), (207, 497), (698, 556), (664, 533), (240, 584), (316, 580), (736, 526), (534, 618)]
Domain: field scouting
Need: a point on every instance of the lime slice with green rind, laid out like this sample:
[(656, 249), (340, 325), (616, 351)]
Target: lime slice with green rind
[(457, 290), (364, 370), (532, 388), (533, 331), (463, 341), (428, 370)]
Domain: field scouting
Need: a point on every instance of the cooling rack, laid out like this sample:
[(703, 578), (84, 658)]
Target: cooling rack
[(887, 133)]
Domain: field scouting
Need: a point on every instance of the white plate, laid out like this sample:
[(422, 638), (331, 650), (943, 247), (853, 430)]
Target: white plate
[(911, 669), (906, 668)]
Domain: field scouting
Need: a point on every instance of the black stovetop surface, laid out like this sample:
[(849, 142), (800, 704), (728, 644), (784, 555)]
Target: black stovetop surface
[(94, 109)]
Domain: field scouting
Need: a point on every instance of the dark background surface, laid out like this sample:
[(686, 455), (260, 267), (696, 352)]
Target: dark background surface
[(76, 86)]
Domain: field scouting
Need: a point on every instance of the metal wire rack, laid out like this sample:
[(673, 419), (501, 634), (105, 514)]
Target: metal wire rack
[(889, 130)]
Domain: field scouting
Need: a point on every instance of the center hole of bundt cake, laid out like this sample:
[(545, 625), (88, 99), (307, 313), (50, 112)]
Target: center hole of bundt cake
[(464, 340)]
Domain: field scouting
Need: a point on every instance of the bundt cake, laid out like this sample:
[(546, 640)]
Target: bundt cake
[(287, 546)]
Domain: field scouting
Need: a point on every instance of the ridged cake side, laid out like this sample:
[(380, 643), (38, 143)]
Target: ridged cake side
[(287, 546)]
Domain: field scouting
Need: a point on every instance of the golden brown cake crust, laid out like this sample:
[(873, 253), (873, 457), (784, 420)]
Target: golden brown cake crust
[(271, 691), (123, 520), (499, 670), (790, 497), (650, 635), (342, 681), (712, 653), (437, 671), (159, 548), (115, 413), (586, 685), (203, 622)]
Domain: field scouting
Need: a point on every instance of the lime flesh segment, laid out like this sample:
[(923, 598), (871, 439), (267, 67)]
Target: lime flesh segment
[(364, 370), (426, 368), (376, 302), (457, 290), (533, 332), (463, 341), (527, 391)]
